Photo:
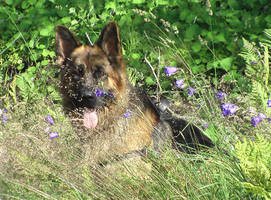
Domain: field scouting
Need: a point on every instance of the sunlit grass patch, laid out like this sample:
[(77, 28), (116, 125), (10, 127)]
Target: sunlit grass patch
[(33, 166)]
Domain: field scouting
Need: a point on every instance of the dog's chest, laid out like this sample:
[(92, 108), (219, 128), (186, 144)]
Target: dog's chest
[(118, 134)]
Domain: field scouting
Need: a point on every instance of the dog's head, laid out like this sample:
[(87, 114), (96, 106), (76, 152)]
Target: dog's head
[(91, 75)]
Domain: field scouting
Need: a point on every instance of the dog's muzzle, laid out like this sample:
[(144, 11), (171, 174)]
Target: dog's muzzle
[(90, 100)]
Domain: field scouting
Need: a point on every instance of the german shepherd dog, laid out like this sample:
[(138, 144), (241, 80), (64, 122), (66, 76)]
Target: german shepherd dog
[(114, 119)]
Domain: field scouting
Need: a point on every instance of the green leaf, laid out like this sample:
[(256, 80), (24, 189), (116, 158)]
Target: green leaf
[(45, 32), (73, 22), (32, 2), (135, 56), (196, 46), (41, 46), (211, 133), (233, 4), (52, 54), (210, 36), (48, 30), (72, 11), (183, 14), (149, 81), (162, 2), (65, 20), (220, 37), (197, 68), (44, 62), (211, 65), (226, 63), (173, 63), (34, 57), (165, 84), (138, 1), (45, 52), (20, 67), (31, 43), (111, 5), (197, 61), (25, 5), (31, 70), (9, 2), (191, 32)]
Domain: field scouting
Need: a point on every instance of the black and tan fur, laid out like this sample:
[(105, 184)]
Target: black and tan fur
[(85, 69)]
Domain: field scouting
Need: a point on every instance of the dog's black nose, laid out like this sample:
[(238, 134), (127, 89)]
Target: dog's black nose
[(87, 93), (88, 98)]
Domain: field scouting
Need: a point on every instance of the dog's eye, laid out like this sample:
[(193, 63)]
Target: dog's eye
[(99, 73)]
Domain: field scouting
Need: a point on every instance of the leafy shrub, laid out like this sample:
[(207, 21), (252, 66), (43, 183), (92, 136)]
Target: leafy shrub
[(210, 30), (255, 162), (257, 71)]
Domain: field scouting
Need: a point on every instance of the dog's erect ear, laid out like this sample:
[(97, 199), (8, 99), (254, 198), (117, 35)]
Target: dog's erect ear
[(109, 40), (66, 42)]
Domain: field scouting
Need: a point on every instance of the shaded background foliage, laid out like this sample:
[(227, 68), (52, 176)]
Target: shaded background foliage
[(211, 31)]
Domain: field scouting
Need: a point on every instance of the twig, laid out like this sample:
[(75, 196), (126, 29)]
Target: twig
[(157, 96), (148, 63), (89, 39)]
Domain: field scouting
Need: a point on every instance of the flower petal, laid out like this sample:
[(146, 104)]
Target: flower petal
[(179, 82), (53, 135), (127, 114), (220, 95), (191, 91), (170, 70), (49, 119)]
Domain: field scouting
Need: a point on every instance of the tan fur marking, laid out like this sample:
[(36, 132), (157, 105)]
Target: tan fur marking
[(140, 133)]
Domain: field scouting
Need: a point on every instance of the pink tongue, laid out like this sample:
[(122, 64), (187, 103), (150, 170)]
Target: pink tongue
[(90, 119)]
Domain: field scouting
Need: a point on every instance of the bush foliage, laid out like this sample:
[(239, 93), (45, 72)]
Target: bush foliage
[(254, 156), (211, 31)]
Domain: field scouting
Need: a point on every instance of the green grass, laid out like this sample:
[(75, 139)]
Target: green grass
[(34, 167)]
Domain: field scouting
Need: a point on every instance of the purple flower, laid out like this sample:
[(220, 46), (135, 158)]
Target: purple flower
[(200, 104), (262, 116), (49, 119), (269, 103), (255, 120), (111, 95), (4, 118), (179, 83), (127, 114), (191, 91), (53, 135), (205, 126), (220, 95), (99, 93), (268, 119), (170, 70), (3, 111), (252, 139), (228, 109), (254, 62), (252, 111)]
